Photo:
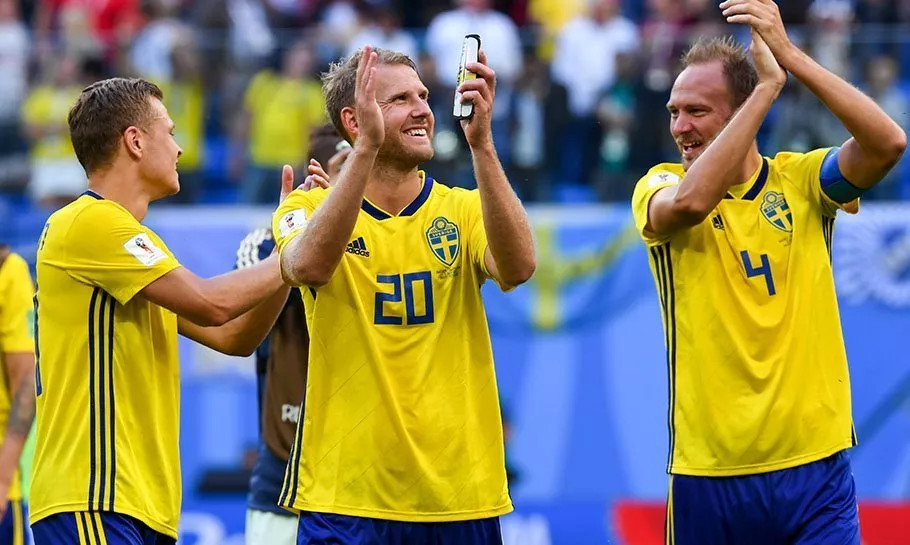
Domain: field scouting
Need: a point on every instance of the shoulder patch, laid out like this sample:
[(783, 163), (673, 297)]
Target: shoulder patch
[(294, 220), (143, 249), (662, 178)]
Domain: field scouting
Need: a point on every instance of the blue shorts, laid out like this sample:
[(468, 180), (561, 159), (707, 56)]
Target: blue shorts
[(97, 528), (14, 526), (330, 529), (812, 504)]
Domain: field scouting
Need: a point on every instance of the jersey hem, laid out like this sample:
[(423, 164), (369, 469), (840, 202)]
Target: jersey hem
[(37, 515), (760, 468), (401, 516), (278, 512)]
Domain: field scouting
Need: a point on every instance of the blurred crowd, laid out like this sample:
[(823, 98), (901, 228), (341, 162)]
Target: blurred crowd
[(580, 105)]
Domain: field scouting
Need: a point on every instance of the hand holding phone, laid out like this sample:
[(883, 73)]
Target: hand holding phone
[(469, 49)]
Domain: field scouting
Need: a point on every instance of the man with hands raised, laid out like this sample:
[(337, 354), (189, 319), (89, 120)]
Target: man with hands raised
[(401, 441), (759, 392)]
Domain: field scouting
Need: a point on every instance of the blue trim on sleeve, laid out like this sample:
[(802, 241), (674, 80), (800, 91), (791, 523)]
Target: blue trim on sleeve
[(832, 180)]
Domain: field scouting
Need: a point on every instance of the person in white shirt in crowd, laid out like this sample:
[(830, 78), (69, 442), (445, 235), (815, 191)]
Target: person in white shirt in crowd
[(584, 62), (500, 39), (381, 27)]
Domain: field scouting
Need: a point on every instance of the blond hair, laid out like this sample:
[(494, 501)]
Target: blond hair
[(339, 83), (739, 69)]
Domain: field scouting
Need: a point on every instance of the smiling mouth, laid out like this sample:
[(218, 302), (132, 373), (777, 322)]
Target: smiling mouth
[(691, 147), (420, 133)]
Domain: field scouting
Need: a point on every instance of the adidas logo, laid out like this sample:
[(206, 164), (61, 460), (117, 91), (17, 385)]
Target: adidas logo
[(357, 247), (718, 222)]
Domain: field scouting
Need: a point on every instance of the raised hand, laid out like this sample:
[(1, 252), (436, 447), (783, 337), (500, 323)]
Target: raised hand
[(287, 182), (769, 71), (337, 161), (317, 176), (764, 17), (370, 125), (482, 91)]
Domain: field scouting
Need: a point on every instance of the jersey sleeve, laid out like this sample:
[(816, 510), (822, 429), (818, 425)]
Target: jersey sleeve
[(656, 179), (290, 219), (804, 169), (108, 248), (16, 291)]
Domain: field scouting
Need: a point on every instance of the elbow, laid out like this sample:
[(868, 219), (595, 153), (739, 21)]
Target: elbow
[(307, 274), (898, 145), (689, 213), (241, 350), (522, 273)]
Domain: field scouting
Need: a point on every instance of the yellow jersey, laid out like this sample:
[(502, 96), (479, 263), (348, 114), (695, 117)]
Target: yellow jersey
[(185, 102), (16, 291), (49, 105), (757, 369), (108, 385), (401, 418), (283, 113)]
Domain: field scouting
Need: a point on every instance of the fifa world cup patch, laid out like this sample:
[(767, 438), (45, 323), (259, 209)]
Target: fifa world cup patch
[(662, 178), (143, 249), (294, 220)]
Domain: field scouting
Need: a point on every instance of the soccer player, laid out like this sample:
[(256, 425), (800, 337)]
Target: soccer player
[(17, 389), (401, 439), (281, 368), (759, 410), (111, 300)]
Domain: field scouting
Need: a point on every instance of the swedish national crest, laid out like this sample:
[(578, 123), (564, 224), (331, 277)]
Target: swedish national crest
[(775, 209), (444, 240)]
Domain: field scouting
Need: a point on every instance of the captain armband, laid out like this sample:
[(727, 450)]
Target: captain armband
[(833, 183)]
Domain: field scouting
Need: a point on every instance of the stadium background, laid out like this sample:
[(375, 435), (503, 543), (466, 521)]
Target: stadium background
[(580, 116)]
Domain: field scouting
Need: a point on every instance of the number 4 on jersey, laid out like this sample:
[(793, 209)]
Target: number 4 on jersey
[(763, 270)]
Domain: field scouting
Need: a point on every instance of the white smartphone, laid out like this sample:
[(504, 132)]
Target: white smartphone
[(469, 50)]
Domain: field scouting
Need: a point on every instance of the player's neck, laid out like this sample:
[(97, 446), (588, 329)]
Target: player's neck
[(123, 190), (750, 165), (393, 189)]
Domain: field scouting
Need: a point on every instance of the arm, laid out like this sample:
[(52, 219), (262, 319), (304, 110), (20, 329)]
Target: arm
[(20, 370), (218, 300), (312, 257), (711, 175), (241, 336), (877, 142), (510, 256)]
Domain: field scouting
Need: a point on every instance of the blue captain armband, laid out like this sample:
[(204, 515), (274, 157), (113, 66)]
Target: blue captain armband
[(833, 183)]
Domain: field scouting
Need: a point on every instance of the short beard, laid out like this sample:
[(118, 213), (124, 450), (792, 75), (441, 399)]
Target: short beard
[(399, 159)]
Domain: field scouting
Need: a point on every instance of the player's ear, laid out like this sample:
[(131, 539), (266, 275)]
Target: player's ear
[(349, 121), (132, 139)]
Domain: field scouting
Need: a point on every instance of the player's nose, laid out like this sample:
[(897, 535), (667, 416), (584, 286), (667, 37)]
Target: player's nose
[(681, 125), (421, 109)]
